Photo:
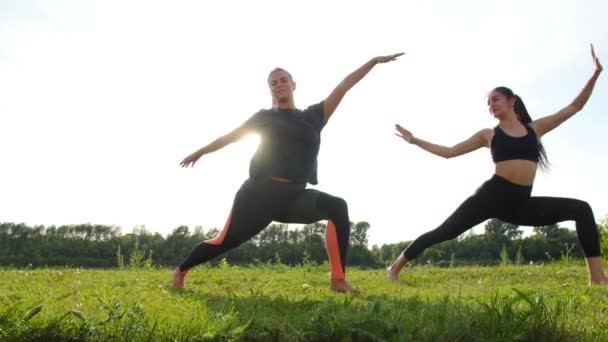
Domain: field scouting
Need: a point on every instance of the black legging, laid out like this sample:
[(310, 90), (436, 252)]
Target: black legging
[(512, 203), (260, 201)]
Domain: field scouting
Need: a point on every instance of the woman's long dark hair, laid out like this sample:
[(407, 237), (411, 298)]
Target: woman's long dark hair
[(524, 118)]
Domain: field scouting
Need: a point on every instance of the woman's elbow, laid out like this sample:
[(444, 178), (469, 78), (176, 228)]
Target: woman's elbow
[(448, 154), (576, 107)]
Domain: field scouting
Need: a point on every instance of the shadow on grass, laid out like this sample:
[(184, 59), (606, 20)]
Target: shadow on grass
[(261, 317), (516, 317)]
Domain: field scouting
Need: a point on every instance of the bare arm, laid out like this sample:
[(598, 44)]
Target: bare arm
[(475, 142), (546, 124), (215, 145), (333, 100)]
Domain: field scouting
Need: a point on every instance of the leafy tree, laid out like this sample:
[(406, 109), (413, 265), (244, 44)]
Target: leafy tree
[(547, 231), (358, 233), (502, 231), (603, 227)]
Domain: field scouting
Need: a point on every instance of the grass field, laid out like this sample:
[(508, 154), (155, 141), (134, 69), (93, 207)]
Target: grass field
[(279, 303)]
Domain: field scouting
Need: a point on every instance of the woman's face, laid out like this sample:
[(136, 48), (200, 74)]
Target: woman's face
[(499, 104)]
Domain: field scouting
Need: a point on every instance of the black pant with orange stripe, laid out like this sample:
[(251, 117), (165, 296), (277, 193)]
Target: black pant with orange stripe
[(260, 201)]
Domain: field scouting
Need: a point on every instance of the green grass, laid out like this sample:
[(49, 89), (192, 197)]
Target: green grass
[(274, 302)]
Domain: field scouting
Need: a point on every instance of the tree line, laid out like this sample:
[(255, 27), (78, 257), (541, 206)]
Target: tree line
[(102, 246)]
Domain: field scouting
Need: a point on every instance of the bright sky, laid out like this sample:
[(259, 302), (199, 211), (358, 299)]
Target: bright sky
[(101, 100)]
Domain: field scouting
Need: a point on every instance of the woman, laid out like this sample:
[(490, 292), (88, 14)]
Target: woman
[(516, 151), (284, 162)]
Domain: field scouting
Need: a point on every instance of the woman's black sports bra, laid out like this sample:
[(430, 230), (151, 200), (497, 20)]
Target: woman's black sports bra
[(505, 147)]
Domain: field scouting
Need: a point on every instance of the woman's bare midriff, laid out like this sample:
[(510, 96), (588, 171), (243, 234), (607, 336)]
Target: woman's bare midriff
[(517, 171)]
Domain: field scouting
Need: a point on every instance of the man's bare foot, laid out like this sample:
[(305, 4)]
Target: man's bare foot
[(392, 276), (177, 279), (340, 285), (599, 281)]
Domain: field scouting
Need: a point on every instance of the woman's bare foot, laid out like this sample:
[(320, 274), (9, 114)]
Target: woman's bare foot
[(392, 272), (340, 285), (392, 276), (177, 279), (597, 276)]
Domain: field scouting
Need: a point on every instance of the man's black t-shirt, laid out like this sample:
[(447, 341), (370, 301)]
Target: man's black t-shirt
[(289, 144)]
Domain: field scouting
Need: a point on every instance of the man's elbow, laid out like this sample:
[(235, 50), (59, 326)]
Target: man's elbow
[(228, 138)]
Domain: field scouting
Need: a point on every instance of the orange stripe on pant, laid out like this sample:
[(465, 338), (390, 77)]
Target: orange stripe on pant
[(333, 251), (220, 237)]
